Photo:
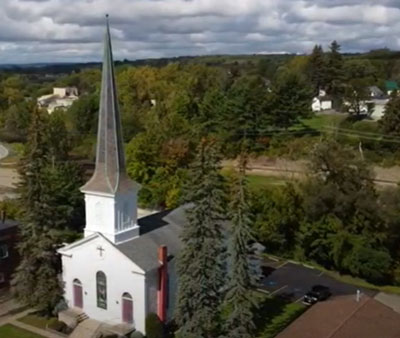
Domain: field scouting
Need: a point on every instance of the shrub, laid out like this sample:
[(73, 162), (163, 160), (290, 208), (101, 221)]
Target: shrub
[(154, 326), (136, 334), (281, 321)]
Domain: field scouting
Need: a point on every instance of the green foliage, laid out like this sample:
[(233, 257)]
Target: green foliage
[(48, 198), (390, 122), (83, 114), (290, 100), (11, 207), (336, 217), (371, 264), (278, 214), (279, 323), (317, 69), (11, 331), (335, 71), (242, 278), (154, 326), (200, 265)]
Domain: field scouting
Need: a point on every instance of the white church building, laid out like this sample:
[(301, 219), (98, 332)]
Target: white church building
[(123, 268)]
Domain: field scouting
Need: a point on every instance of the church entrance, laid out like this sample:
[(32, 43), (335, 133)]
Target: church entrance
[(78, 294), (127, 308)]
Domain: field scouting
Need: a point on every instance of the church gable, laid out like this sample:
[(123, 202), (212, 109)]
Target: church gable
[(98, 249)]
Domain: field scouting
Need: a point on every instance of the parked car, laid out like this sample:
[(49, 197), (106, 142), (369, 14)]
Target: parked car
[(317, 294)]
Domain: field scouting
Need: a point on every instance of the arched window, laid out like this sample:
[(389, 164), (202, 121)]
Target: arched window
[(127, 308), (101, 284)]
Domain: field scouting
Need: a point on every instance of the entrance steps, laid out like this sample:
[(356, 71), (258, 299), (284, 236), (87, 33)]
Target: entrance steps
[(89, 328)]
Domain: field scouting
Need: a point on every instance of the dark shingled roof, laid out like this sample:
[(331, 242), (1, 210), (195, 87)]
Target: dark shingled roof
[(344, 317), (7, 224), (110, 174), (162, 228)]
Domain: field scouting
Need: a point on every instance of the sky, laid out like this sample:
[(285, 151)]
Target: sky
[(72, 30)]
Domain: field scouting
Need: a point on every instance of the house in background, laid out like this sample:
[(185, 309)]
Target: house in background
[(321, 102), (375, 92), (62, 98), (8, 251), (391, 86)]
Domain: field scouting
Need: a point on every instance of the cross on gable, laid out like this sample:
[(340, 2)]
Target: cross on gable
[(100, 248)]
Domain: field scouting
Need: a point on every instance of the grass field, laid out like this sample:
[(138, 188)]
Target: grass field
[(320, 122), (11, 331), (35, 320), (259, 182)]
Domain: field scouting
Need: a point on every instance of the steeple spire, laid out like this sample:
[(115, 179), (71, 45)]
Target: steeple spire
[(110, 173)]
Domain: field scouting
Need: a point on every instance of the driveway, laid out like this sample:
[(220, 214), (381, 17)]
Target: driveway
[(291, 281)]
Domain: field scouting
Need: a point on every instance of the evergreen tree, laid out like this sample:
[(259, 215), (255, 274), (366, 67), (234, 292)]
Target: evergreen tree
[(239, 297), (36, 279), (317, 68), (335, 72), (290, 100), (390, 122), (200, 266), (48, 197)]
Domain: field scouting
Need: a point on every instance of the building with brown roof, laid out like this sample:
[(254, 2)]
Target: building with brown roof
[(345, 317)]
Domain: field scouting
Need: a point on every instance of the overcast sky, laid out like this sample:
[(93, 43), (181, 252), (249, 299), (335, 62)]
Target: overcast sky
[(71, 30)]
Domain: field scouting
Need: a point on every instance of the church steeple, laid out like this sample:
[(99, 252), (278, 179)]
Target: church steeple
[(110, 173), (110, 195)]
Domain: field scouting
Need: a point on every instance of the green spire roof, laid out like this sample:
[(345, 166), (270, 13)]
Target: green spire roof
[(110, 173)]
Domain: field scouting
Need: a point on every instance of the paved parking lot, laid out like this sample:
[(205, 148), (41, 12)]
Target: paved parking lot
[(292, 281)]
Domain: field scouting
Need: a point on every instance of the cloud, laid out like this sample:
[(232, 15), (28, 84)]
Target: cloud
[(60, 30)]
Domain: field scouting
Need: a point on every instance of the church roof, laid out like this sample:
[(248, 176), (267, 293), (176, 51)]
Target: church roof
[(110, 173), (7, 224), (163, 228)]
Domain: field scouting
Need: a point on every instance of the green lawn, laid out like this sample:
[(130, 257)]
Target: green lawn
[(258, 181), (35, 320), (320, 122), (11, 331)]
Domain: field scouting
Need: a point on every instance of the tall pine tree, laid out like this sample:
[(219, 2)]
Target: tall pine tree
[(317, 68), (201, 266), (242, 279), (335, 71), (48, 200)]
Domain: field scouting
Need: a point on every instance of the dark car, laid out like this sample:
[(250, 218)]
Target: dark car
[(317, 293)]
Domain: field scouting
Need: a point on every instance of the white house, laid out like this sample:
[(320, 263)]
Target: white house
[(123, 268), (61, 98), (321, 103)]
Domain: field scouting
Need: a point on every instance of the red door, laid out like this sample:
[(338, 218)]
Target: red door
[(78, 294), (127, 309)]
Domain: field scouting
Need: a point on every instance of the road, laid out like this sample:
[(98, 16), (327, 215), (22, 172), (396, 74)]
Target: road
[(8, 177), (291, 281)]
